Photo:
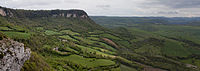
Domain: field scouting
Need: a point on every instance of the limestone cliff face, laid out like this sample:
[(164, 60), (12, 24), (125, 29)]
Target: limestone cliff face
[(43, 13), (6, 12), (12, 55), (2, 12)]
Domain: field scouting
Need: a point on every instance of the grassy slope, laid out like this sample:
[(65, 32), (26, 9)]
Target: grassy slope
[(76, 46), (140, 44), (159, 44)]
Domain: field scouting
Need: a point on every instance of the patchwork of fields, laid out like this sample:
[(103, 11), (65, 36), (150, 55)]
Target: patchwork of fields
[(68, 44), (155, 42), (69, 50)]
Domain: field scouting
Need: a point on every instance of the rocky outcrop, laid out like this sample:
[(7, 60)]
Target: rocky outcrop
[(2, 12), (12, 55), (84, 16), (69, 13), (43, 13)]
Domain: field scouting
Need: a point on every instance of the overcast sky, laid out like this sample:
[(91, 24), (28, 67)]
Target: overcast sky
[(168, 8)]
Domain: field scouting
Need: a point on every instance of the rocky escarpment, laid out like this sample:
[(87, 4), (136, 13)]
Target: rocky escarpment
[(6, 12), (42, 13), (12, 55), (2, 12)]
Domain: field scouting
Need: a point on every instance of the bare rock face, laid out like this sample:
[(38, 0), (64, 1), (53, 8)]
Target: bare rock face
[(12, 55), (69, 15), (2, 12), (74, 16), (84, 16)]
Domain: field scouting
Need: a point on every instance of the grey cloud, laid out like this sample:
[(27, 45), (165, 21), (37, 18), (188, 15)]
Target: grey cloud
[(71, 1), (178, 3), (103, 6), (163, 12), (114, 7), (24, 3), (30, 3)]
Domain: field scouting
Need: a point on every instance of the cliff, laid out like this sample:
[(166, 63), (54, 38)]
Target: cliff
[(12, 55), (42, 13)]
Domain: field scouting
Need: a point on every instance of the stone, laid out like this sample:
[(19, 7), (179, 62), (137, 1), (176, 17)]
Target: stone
[(74, 16), (69, 15), (13, 55), (2, 12), (84, 16)]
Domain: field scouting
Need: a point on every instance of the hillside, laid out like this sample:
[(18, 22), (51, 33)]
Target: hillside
[(69, 40), (164, 45), (60, 42), (128, 21)]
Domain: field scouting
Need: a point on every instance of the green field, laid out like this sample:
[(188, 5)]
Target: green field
[(173, 48), (5, 29), (84, 40), (67, 37), (89, 62), (18, 35), (126, 68), (49, 32), (155, 41), (106, 46), (69, 32), (110, 36), (92, 51)]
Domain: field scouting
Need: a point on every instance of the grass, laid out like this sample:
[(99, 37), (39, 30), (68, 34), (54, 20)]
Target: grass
[(5, 29), (49, 32), (92, 47), (39, 28), (106, 46), (17, 35), (94, 35), (124, 43), (67, 37), (192, 61), (126, 68), (104, 50), (70, 49), (88, 62), (194, 50), (149, 50), (191, 33), (69, 32), (110, 36), (84, 40), (93, 38), (92, 51), (187, 35), (96, 32), (174, 48), (18, 28), (141, 34), (43, 41), (36, 63)]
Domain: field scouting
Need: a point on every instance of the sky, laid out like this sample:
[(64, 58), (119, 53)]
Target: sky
[(167, 8)]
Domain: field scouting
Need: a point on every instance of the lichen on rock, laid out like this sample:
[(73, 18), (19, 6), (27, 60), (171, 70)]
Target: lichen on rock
[(12, 55)]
